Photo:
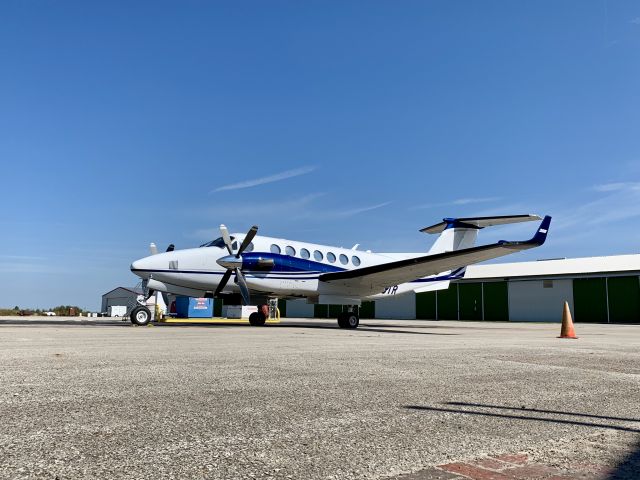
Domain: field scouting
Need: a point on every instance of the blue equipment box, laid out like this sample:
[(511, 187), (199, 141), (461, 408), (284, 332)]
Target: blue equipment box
[(189, 307)]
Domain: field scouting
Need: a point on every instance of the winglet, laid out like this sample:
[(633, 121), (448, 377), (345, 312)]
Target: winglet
[(535, 241), (541, 235)]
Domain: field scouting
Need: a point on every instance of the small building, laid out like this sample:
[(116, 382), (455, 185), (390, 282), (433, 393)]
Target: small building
[(119, 296), (128, 297)]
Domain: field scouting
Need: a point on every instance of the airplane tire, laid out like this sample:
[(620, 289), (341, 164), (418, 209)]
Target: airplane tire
[(257, 319), (348, 320), (140, 316)]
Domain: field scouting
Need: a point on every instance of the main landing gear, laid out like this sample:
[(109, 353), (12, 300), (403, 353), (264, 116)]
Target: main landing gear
[(266, 311), (348, 319)]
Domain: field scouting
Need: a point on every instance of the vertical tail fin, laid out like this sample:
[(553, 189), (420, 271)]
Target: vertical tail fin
[(454, 236)]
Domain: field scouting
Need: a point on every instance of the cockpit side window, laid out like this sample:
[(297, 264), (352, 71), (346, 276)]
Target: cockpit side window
[(218, 242)]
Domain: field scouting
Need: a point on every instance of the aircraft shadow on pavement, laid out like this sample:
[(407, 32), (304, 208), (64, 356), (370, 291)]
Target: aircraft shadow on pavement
[(105, 323), (537, 410), (361, 328), (120, 323), (629, 467), (522, 416)]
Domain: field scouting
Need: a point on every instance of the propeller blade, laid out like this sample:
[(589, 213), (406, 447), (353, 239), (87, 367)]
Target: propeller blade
[(153, 248), (247, 240), (227, 239), (244, 290), (171, 247), (223, 282)]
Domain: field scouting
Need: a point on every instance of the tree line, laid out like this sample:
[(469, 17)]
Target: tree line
[(60, 310)]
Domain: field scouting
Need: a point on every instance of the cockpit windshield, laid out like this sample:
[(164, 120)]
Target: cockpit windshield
[(218, 242)]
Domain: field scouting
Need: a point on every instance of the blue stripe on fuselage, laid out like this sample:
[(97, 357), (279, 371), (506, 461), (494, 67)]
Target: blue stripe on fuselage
[(286, 263)]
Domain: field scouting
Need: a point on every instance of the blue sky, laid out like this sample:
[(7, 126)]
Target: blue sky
[(123, 123)]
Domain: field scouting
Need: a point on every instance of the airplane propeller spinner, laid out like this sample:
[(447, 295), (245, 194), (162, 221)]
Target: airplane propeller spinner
[(233, 262)]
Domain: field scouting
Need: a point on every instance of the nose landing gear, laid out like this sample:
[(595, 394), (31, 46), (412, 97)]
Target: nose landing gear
[(140, 315)]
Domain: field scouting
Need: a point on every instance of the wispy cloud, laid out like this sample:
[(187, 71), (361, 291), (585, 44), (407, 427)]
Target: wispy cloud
[(636, 21), (356, 211), (21, 257), (303, 210), (254, 213), (296, 172), (466, 201), (457, 202), (25, 265), (617, 187), (620, 202)]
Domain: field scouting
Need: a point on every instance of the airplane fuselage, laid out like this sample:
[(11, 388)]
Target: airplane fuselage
[(272, 266)]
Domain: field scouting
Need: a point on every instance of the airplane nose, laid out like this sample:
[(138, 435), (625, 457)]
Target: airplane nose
[(137, 268)]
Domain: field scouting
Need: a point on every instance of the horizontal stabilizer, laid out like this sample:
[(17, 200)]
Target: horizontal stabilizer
[(477, 222)]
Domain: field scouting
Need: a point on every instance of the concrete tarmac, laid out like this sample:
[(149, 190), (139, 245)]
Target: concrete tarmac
[(306, 400)]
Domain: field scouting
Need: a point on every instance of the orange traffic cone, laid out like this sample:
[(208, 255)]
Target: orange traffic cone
[(567, 330)]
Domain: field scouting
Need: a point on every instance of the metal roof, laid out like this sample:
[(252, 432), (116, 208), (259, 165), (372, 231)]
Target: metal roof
[(135, 290), (565, 266)]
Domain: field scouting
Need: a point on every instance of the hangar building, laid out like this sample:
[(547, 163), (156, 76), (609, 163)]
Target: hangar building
[(598, 289), (119, 296)]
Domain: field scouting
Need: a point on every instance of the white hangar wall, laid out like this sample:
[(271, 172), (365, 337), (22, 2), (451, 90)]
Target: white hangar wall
[(401, 306), (539, 300)]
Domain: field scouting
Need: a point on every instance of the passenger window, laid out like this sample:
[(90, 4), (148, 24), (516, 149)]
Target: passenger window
[(318, 255), (304, 253), (355, 261), (343, 259), (249, 248), (290, 251), (275, 248), (331, 257), (234, 246)]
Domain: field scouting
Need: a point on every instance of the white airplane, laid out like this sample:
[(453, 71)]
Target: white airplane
[(271, 268)]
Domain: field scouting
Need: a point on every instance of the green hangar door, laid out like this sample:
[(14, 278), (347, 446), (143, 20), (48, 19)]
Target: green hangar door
[(496, 301), (470, 301), (590, 300), (448, 303), (624, 299), (426, 306)]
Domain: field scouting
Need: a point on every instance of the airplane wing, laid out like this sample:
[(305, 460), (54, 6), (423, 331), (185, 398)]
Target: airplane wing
[(376, 278)]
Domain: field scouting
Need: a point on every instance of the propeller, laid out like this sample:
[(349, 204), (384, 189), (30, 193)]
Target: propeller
[(154, 249), (233, 262)]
